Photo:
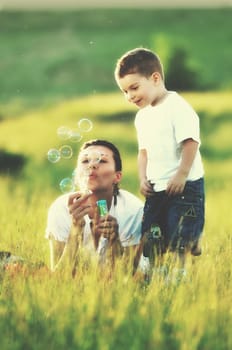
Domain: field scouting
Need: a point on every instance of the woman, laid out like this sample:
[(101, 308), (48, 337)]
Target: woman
[(74, 220)]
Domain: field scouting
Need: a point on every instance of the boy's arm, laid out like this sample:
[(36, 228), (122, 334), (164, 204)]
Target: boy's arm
[(177, 182), (145, 187)]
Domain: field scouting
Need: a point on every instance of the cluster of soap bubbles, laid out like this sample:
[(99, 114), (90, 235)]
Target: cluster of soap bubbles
[(67, 134), (54, 154)]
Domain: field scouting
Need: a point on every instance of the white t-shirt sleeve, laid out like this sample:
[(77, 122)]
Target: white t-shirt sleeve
[(58, 220), (186, 122)]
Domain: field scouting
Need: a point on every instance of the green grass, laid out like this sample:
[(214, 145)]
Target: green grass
[(46, 56), (55, 312), (43, 311)]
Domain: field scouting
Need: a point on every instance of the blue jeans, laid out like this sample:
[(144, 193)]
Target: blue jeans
[(180, 217)]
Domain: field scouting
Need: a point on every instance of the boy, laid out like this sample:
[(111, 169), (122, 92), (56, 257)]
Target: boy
[(169, 162)]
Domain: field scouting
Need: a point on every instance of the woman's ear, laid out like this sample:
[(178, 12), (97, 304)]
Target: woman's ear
[(118, 177)]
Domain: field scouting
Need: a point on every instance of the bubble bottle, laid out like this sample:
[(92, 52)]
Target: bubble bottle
[(103, 242)]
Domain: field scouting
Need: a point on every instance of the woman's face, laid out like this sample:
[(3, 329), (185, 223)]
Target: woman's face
[(96, 169)]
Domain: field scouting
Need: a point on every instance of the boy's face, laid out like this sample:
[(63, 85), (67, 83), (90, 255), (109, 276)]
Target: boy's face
[(140, 90)]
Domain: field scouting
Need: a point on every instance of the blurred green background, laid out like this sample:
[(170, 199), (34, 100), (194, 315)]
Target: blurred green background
[(57, 55), (57, 67)]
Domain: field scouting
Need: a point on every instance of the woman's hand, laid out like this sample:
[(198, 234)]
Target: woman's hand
[(79, 206), (108, 228)]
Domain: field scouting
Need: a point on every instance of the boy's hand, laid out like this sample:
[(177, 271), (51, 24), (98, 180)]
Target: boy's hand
[(176, 184), (146, 188)]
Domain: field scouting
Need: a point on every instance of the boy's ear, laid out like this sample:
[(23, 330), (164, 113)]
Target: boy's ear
[(156, 77)]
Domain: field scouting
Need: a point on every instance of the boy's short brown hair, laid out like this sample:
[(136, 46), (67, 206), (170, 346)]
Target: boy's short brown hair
[(139, 60)]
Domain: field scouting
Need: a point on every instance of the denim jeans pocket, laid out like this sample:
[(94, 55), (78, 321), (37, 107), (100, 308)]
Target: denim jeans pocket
[(186, 214)]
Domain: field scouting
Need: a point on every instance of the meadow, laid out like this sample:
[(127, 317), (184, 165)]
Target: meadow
[(40, 310)]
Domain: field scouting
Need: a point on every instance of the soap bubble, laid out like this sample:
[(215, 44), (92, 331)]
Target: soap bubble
[(64, 132), (53, 155), (85, 125), (66, 152), (67, 185), (75, 135)]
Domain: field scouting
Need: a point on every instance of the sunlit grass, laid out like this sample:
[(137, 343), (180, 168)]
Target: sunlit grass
[(93, 312), (34, 131), (221, 138), (214, 103)]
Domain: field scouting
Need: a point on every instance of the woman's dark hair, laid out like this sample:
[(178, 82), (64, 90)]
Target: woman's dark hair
[(116, 156), (107, 144)]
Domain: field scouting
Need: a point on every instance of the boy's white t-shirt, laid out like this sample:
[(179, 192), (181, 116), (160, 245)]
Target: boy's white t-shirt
[(161, 129), (128, 211)]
